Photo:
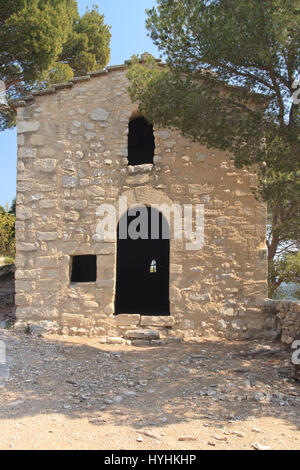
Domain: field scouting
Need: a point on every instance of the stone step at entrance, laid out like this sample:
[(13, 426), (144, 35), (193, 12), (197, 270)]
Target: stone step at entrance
[(144, 330), (144, 334), (143, 337), (147, 337), (145, 320)]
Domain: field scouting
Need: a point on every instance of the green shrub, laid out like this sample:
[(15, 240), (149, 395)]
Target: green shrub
[(7, 234)]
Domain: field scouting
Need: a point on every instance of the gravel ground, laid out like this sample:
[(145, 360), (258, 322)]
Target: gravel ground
[(75, 393)]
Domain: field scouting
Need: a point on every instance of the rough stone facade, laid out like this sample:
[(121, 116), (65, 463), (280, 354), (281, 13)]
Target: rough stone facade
[(72, 157), (283, 321), (283, 317)]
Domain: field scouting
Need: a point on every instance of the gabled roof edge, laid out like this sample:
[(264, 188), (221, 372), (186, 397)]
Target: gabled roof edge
[(27, 100)]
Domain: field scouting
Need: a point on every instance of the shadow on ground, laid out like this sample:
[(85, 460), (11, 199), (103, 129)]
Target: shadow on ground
[(212, 380)]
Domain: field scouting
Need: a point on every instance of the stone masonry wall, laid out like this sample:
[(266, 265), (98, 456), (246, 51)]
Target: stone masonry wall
[(286, 315), (283, 321), (72, 157)]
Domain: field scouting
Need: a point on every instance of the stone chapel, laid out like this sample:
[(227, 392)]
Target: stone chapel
[(82, 145)]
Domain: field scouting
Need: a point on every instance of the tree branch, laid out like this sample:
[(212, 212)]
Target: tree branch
[(13, 82)]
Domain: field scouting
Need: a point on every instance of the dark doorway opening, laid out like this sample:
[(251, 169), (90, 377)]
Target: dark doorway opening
[(143, 269), (84, 268), (140, 142)]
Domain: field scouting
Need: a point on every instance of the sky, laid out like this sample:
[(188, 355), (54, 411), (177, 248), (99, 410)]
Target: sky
[(129, 36)]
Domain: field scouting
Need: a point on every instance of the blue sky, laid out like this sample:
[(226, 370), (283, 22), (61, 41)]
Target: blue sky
[(129, 36)]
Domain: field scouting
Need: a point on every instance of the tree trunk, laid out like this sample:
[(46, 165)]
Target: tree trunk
[(272, 245)]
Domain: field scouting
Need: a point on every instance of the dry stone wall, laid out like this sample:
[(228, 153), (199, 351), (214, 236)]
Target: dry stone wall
[(283, 321), (72, 157), (288, 319)]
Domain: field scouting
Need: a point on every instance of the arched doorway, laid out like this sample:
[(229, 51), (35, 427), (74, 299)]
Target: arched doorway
[(142, 284)]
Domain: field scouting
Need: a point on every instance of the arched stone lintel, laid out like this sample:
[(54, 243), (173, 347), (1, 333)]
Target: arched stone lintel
[(145, 195)]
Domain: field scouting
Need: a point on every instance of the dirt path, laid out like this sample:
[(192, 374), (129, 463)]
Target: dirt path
[(78, 394)]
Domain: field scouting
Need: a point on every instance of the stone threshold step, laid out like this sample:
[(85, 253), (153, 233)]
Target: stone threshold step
[(144, 320), (155, 342), (141, 342), (144, 334)]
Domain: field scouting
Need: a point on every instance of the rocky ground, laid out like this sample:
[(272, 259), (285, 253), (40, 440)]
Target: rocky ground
[(75, 393)]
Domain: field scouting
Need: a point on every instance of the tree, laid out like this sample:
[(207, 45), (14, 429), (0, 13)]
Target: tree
[(229, 83), (12, 209), (7, 233), (46, 41), (283, 241), (286, 269)]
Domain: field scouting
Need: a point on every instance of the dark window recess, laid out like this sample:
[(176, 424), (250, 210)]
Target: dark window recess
[(84, 268), (140, 142)]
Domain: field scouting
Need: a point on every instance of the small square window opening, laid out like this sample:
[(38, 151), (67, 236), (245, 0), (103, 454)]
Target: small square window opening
[(84, 268)]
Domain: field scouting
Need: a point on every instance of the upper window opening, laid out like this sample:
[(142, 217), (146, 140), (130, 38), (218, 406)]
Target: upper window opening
[(84, 268), (153, 267), (140, 142)]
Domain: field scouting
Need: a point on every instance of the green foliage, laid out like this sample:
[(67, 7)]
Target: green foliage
[(46, 41), (7, 233), (287, 292), (228, 84), (34, 34), (285, 269), (12, 209), (88, 48), (59, 73), (27, 330), (7, 119), (8, 260), (198, 108), (231, 69)]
